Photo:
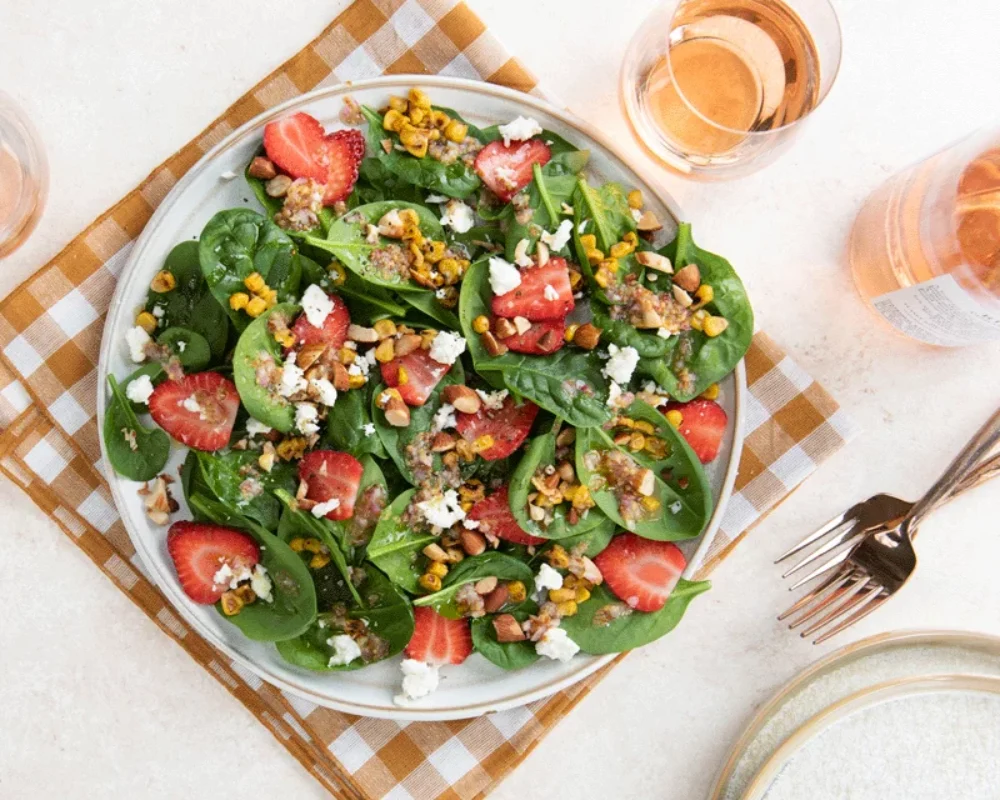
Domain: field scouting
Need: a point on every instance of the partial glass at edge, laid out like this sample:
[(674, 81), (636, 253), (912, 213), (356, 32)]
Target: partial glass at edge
[(24, 176), (715, 88)]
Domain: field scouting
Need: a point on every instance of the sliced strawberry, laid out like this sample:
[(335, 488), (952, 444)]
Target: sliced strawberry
[(421, 374), (509, 426), (507, 169), (199, 550), (333, 333), (529, 299), (495, 518), (332, 475), (641, 572), (198, 410), (437, 639), (541, 339), (340, 157), (292, 143), (703, 424)]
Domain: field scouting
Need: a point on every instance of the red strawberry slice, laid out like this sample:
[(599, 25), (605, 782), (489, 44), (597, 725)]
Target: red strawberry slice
[(507, 169), (437, 639), (422, 373), (333, 332), (495, 518), (332, 475), (529, 299), (292, 143), (703, 425), (199, 550), (509, 426), (541, 339), (641, 572), (340, 157), (198, 410)]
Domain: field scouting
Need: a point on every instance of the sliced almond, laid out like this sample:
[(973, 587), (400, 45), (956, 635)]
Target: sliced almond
[(542, 254), (647, 484), (473, 543), (462, 398), (521, 257), (504, 328), (407, 343), (397, 413), (507, 629), (359, 333), (309, 354), (442, 442), (683, 298), (654, 261), (649, 222), (688, 278), (521, 325), (486, 585)]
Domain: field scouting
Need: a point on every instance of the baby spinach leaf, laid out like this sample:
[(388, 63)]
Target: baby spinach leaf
[(272, 205), (506, 655), (427, 303), (632, 630), (136, 452), (190, 347), (395, 547), (346, 424), (238, 242), (227, 473), (592, 541), (489, 564), (608, 210), (546, 195), (293, 606), (257, 345)]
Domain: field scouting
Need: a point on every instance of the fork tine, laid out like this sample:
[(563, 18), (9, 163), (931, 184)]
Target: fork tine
[(830, 596), (876, 601), (816, 535), (851, 598), (840, 539), (807, 598), (826, 566)]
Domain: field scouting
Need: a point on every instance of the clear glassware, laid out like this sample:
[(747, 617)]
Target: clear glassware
[(715, 88), (24, 176), (925, 247)]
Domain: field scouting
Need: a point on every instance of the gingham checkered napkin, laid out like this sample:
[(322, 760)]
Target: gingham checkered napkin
[(50, 331)]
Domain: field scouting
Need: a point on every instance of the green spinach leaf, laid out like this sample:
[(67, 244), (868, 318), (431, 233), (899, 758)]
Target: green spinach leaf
[(489, 564), (347, 424), (506, 655), (272, 205), (395, 547), (226, 474), (257, 347), (136, 452), (607, 208)]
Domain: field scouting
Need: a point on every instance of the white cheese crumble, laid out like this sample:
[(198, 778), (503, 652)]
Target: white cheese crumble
[(292, 378), (305, 418), (447, 347), (257, 428), (614, 394), (470, 524), (557, 239), (519, 130), (442, 511), (582, 227), (158, 312), (437, 198), (547, 579), (664, 333), (326, 393), (622, 363), (675, 507), (345, 650), (137, 339), (458, 216), (324, 508), (139, 390), (636, 214), (493, 400), (227, 576), (369, 428), (444, 418), (181, 345), (317, 305), (260, 582), (504, 276), (190, 403), (419, 680), (550, 292), (556, 644)]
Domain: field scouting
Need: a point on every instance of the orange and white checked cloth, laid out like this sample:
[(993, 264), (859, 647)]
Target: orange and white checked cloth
[(50, 332)]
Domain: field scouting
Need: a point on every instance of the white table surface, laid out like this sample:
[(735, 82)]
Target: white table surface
[(95, 698)]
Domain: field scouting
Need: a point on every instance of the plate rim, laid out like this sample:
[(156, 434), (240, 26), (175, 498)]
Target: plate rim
[(179, 602)]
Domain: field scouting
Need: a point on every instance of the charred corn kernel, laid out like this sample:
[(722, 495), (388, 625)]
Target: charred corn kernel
[(386, 395), (516, 593), (293, 447), (484, 442), (319, 561), (594, 256), (409, 217), (238, 301), (455, 554), (589, 241), (297, 544), (337, 273), (419, 98), (567, 609), (254, 282), (715, 326), (561, 595), (312, 545), (644, 427), (418, 116), (625, 422), (434, 252), (451, 270), (231, 604), (270, 296), (602, 278), (635, 199), (385, 328), (418, 150), (610, 264), (245, 593), (711, 393), (455, 131), (393, 120), (570, 581), (356, 381), (557, 556), (621, 249), (256, 306), (438, 568), (417, 253), (675, 418), (285, 338), (570, 332), (347, 356), (428, 338), (650, 503), (432, 583), (631, 238), (439, 119), (163, 281), (581, 594), (385, 351), (481, 324), (146, 321), (698, 319), (637, 442), (397, 104), (402, 376), (705, 293)]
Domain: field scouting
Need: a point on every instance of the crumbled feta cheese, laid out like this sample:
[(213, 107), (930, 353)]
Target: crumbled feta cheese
[(622, 363), (458, 216), (181, 345), (227, 576), (257, 428), (158, 312), (675, 507), (292, 378), (447, 347), (260, 582), (519, 130), (419, 680), (546, 579), (444, 418), (324, 508), (190, 403), (636, 214), (139, 390), (305, 418), (437, 198), (326, 393), (557, 240), (442, 511), (317, 305), (345, 650), (228, 175), (368, 428), (137, 340), (582, 227), (470, 524), (614, 394), (556, 644), (664, 333), (504, 276), (550, 292), (493, 400), (441, 293)]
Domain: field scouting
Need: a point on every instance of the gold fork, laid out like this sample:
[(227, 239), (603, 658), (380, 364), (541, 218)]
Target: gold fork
[(871, 546)]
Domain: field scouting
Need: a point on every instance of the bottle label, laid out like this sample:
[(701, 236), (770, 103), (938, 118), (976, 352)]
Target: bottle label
[(940, 312)]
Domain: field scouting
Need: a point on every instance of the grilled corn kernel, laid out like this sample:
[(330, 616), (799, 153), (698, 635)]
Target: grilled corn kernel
[(635, 199), (356, 381), (297, 544), (516, 593), (698, 319), (574, 279), (582, 594), (385, 328), (419, 98), (481, 324), (455, 554), (256, 306), (570, 581), (284, 338), (589, 241), (238, 300), (644, 427), (567, 609), (427, 335), (483, 443), (337, 273), (594, 256), (312, 545), (146, 321), (432, 583), (393, 120), (163, 281), (347, 356), (631, 238), (409, 217), (610, 264), (417, 150), (650, 503), (561, 595), (319, 561), (245, 593), (636, 442), (231, 604), (557, 556), (602, 278), (294, 447), (674, 417), (254, 282), (402, 376), (385, 351), (711, 393), (270, 296), (418, 116), (621, 249), (417, 253), (397, 104), (455, 131), (438, 568), (434, 252), (439, 119), (705, 293), (715, 325)]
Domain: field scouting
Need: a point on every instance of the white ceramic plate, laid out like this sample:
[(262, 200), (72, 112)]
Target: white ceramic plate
[(477, 686)]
